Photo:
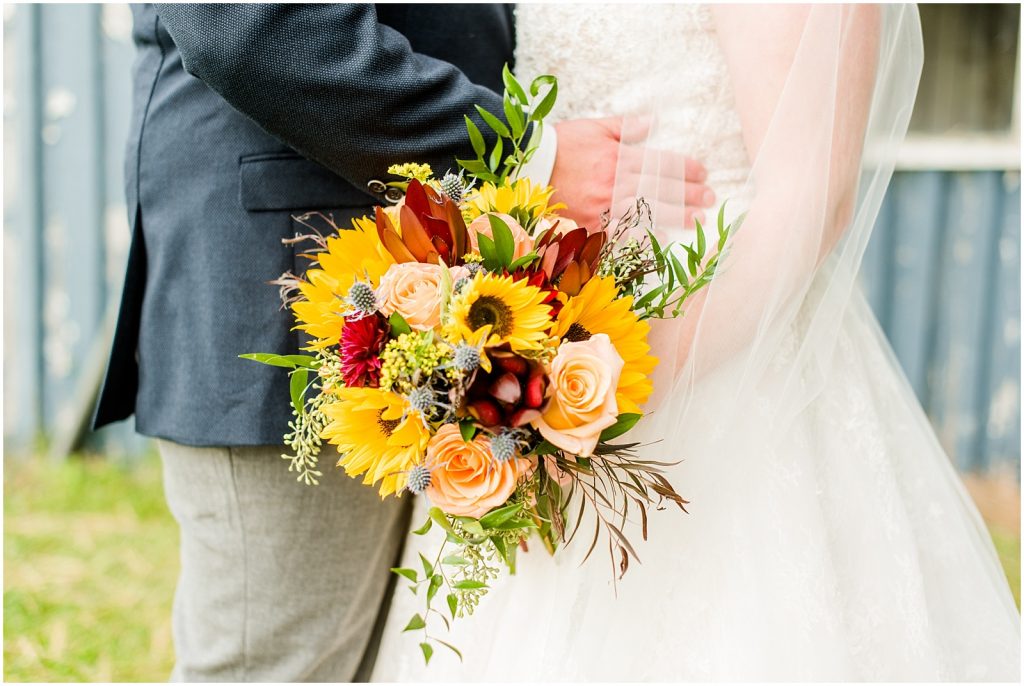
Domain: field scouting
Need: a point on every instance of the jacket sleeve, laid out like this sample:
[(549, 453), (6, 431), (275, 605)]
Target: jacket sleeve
[(331, 82)]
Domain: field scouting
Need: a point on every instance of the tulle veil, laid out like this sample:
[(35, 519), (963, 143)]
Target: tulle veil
[(828, 536)]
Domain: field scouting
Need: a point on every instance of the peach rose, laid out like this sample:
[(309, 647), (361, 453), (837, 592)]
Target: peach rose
[(565, 225), (413, 289), (465, 480), (523, 241), (583, 379)]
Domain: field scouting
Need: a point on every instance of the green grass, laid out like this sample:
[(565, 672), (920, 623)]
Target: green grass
[(90, 562), (1008, 547)]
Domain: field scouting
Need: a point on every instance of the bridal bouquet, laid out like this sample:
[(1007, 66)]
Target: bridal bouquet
[(472, 346)]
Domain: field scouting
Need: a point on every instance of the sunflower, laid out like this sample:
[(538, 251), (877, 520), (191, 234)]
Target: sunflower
[(352, 254), (521, 199), (599, 309), (375, 436), (514, 311)]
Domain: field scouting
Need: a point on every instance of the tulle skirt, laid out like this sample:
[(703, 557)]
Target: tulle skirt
[(827, 541)]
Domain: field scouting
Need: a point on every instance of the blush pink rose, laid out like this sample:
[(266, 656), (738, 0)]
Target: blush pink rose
[(413, 290), (522, 240), (465, 480), (583, 379)]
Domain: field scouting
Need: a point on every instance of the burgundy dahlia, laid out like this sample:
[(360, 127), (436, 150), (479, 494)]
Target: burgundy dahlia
[(362, 339)]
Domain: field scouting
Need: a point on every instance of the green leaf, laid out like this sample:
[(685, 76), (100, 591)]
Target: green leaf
[(678, 268), (476, 167), (428, 651), (513, 524), (659, 252), (286, 361), (428, 568), (540, 81), (515, 119), (495, 123), (523, 261), (622, 424), (502, 514), (488, 252), (692, 260), (455, 561), (510, 558), (495, 159), (469, 585), (450, 647), (512, 85), (545, 448), (398, 324), (409, 574), (702, 245), (425, 528), (468, 429), (475, 137), (647, 298), (297, 386), (543, 108), (435, 583), (453, 604), (499, 545), (442, 520), (471, 525), (415, 623), (504, 243)]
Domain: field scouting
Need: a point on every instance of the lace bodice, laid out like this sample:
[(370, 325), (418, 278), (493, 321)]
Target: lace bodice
[(638, 59)]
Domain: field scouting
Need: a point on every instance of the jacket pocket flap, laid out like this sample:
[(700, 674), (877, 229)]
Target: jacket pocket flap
[(288, 181)]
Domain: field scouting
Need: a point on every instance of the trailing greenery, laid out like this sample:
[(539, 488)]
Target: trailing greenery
[(632, 260), (511, 150)]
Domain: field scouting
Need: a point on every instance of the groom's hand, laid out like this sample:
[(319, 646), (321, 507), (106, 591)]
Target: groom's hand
[(588, 158)]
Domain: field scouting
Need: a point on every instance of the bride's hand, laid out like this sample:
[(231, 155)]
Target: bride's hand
[(586, 164)]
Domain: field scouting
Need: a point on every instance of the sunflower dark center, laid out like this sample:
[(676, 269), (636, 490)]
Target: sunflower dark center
[(577, 333), (490, 310), (388, 426)]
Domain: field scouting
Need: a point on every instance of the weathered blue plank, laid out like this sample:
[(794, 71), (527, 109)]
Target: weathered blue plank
[(918, 202), (1002, 441), (23, 244), (876, 267), (964, 282), (73, 201)]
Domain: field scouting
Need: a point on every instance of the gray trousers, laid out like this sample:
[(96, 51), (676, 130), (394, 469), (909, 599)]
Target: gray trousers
[(279, 581)]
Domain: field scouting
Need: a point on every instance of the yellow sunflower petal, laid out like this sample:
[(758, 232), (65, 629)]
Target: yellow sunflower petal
[(375, 436), (598, 308), (514, 312), (352, 254)]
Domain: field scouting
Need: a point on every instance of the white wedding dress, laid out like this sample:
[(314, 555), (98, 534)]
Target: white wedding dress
[(828, 538)]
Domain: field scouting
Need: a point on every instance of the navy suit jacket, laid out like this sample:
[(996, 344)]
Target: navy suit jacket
[(243, 117)]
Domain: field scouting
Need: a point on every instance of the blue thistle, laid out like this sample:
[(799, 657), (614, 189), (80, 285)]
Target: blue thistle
[(362, 298), (466, 358), (503, 446), (419, 479)]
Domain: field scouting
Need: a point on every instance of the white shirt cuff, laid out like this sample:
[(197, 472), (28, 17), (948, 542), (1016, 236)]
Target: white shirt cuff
[(542, 164)]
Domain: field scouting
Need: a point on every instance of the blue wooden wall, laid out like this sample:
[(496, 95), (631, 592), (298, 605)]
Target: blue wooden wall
[(942, 270)]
